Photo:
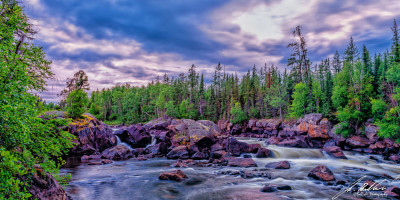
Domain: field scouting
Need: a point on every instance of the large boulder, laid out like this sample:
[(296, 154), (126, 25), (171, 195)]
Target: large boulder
[(119, 152), (299, 141), (158, 124), (139, 136), (179, 152), (357, 142), (241, 162), (177, 175), (197, 133), (212, 126), (92, 136), (45, 186), (321, 172), (263, 153), (236, 148), (269, 124)]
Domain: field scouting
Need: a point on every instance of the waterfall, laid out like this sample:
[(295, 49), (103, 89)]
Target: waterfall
[(123, 143), (153, 141)]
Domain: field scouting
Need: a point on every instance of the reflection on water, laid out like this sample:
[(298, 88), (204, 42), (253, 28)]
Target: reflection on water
[(133, 179)]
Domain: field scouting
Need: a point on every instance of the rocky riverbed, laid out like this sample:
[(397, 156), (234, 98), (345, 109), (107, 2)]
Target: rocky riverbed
[(187, 159), (135, 179)]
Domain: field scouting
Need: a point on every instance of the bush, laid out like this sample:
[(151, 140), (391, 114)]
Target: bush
[(76, 103), (238, 116)]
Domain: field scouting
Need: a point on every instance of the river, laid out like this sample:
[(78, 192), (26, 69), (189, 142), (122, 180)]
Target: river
[(134, 179)]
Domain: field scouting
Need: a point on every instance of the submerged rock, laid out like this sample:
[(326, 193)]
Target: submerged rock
[(335, 152), (241, 162), (177, 175), (321, 172)]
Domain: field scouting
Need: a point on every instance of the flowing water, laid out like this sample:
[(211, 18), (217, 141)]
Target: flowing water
[(134, 179)]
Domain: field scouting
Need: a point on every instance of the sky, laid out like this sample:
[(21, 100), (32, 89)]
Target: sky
[(126, 41)]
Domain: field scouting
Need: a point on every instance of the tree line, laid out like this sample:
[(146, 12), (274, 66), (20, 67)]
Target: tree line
[(347, 89)]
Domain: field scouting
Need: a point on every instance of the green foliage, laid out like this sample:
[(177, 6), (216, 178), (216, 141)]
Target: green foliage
[(25, 139), (76, 103), (389, 127), (299, 96), (237, 114), (379, 108)]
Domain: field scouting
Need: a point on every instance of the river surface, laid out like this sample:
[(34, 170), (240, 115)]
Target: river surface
[(134, 179)]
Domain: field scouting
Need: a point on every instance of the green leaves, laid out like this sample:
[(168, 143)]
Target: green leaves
[(76, 101)]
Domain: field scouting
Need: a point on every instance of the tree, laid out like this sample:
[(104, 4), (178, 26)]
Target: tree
[(26, 140), (298, 107), (80, 81), (76, 103)]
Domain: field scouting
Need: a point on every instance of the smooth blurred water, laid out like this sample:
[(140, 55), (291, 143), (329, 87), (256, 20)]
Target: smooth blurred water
[(134, 179)]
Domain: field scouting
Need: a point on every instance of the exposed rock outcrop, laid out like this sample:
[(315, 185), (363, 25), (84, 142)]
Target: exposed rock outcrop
[(92, 136)]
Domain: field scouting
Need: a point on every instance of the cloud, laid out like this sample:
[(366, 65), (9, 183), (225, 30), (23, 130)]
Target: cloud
[(122, 41)]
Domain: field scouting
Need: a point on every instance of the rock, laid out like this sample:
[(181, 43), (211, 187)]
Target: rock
[(286, 134), (318, 132), (197, 133), (393, 192), (177, 175), (200, 156), (236, 148), (263, 153), (141, 158), (274, 188), (335, 152), (217, 154), (45, 186), (212, 126), (179, 163), (162, 136), (106, 161), (158, 149), (394, 157), (140, 138), (268, 124), (370, 132), (159, 123), (284, 187), (357, 142), (119, 152), (178, 152), (216, 147), (273, 140), (321, 172), (92, 136), (278, 165), (241, 162), (254, 174), (297, 142), (268, 188), (224, 125), (252, 123), (313, 118)]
